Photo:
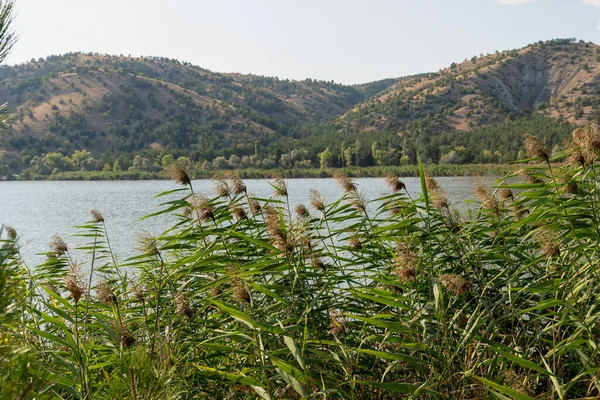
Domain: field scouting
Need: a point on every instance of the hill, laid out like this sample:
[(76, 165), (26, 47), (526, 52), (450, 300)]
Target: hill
[(111, 104), (122, 109), (554, 83)]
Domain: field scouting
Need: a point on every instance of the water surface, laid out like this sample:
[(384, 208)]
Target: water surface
[(38, 210)]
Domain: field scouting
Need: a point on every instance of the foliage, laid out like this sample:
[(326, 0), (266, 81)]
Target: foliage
[(396, 297)]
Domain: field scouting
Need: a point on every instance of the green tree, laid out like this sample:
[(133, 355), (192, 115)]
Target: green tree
[(349, 156), (79, 157), (325, 158), (117, 166)]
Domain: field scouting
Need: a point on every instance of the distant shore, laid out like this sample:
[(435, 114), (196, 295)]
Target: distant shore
[(254, 173)]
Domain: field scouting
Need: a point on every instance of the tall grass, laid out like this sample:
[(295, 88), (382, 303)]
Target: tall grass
[(395, 297)]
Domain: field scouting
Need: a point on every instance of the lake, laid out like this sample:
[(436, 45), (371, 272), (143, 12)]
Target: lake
[(39, 210)]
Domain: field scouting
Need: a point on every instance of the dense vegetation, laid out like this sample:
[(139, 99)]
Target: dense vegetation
[(90, 112), (396, 297)]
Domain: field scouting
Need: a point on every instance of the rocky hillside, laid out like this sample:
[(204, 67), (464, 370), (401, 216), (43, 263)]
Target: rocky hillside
[(558, 79), (116, 103), (117, 107)]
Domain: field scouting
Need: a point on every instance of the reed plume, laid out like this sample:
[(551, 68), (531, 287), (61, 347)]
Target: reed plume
[(406, 261), (221, 186), (455, 284), (149, 244), (184, 307), (58, 247), (394, 183), (73, 283), (178, 175), (125, 336), (255, 206), (280, 187), (11, 232), (105, 294), (240, 293), (505, 194), (336, 326), (316, 200), (354, 242), (587, 137), (346, 183), (301, 211), (204, 208), (277, 236), (439, 197), (237, 184), (535, 148), (96, 215), (488, 202), (238, 212)]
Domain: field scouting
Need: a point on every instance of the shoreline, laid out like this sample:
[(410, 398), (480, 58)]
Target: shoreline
[(438, 170)]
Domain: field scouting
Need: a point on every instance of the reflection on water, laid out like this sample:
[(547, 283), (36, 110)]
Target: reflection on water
[(38, 210)]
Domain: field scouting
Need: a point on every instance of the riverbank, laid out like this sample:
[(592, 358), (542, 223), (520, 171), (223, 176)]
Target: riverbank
[(255, 173)]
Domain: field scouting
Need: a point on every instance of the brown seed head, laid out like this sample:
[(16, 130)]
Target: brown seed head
[(568, 185), (505, 194), (238, 212), (579, 156), (216, 291), (455, 284), (183, 306), (73, 283), (439, 198), (549, 241), (535, 148), (105, 294), (358, 201), (301, 211), (149, 245), (317, 263), (406, 261), (97, 216), (488, 201), (178, 175), (204, 208), (395, 207), (11, 232), (528, 177), (221, 187), (255, 206), (240, 293), (139, 293), (58, 246), (431, 183), (337, 326), (125, 336), (237, 184), (587, 137), (571, 188), (346, 183), (316, 200), (394, 183), (280, 187), (354, 242), (277, 236), (406, 274)]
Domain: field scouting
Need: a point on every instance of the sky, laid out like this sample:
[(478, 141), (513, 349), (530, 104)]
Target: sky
[(348, 41)]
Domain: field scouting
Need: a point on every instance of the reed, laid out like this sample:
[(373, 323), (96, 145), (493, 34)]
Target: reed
[(395, 297)]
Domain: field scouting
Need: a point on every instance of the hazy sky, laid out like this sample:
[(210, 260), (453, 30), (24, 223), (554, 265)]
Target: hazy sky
[(349, 41)]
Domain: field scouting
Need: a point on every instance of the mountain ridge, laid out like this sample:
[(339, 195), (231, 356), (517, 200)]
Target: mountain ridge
[(116, 107)]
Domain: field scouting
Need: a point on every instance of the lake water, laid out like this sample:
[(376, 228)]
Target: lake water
[(39, 210)]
